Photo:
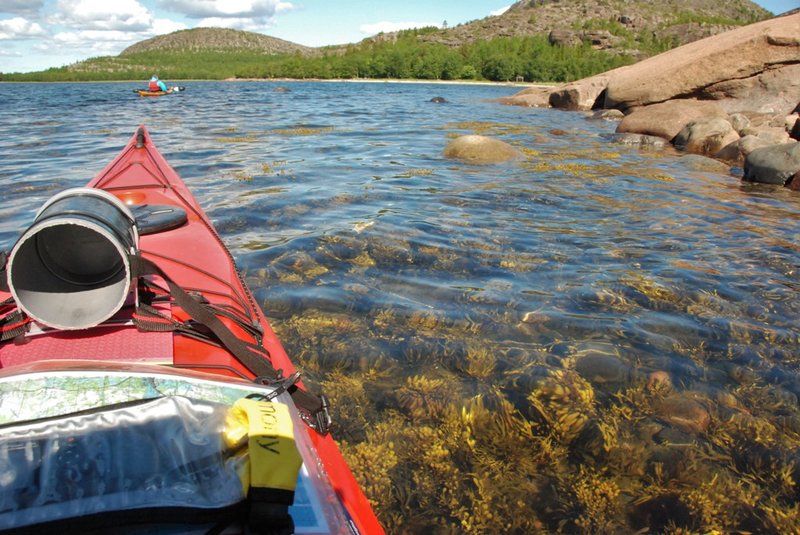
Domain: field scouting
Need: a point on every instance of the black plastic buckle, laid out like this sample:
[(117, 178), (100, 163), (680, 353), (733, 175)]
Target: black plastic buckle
[(323, 417), (281, 385)]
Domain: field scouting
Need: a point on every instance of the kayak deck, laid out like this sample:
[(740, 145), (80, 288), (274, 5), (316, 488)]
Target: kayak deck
[(196, 259)]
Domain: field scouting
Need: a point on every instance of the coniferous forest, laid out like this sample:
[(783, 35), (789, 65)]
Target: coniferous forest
[(529, 58)]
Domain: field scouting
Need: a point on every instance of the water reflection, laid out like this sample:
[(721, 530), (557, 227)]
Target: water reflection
[(600, 338)]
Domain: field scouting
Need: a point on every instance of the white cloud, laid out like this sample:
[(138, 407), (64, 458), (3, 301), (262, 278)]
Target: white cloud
[(162, 26), (19, 28), (385, 26), (116, 15), (233, 9), (21, 7), (90, 42), (500, 11), (244, 23)]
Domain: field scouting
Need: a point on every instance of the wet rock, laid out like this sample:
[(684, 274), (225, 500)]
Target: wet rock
[(794, 182), (684, 413), (775, 164), (481, 150), (739, 149), (608, 115), (641, 141), (667, 119), (702, 163), (438, 100), (706, 136), (579, 95), (532, 97)]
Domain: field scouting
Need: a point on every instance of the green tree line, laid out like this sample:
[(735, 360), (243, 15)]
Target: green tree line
[(530, 58)]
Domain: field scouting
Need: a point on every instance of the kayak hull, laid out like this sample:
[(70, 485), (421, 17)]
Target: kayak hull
[(194, 256), (170, 91)]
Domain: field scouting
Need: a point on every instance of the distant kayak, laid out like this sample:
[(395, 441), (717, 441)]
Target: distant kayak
[(170, 91)]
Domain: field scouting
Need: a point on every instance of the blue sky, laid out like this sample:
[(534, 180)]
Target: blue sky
[(38, 34)]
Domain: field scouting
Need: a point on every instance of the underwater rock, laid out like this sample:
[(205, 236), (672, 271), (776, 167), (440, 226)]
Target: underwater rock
[(701, 163), (684, 413), (481, 150), (599, 362), (590, 445), (659, 379), (608, 115), (640, 141), (600, 369)]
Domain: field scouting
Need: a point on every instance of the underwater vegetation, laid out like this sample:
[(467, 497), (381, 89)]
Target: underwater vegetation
[(451, 431), (585, 380)]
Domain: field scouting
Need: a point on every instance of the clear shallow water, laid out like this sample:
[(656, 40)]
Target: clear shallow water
[(590, 335)]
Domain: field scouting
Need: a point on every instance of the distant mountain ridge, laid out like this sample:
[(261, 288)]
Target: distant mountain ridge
[(608, 24), (620, 31), (223, 39)]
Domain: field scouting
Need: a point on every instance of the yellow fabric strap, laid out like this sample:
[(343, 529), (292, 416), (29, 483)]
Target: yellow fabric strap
[(274, 461)]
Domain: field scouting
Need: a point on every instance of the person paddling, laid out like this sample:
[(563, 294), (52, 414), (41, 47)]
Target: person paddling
[(156, 84)]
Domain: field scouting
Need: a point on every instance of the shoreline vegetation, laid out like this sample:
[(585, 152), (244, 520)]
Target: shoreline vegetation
[(502, 59), (300, 80)]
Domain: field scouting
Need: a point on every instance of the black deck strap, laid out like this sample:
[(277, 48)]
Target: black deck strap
[(13, 325), (255, 360), (269, 511), (3, 271), (148, 318)]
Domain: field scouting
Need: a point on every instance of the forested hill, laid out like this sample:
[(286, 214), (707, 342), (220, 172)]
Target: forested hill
[(534, 41), (620, 26), (204, 39)]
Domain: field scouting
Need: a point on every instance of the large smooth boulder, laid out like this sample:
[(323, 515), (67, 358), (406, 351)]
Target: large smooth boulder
[(667, 119), (774, 91), (706, 136), (580, 95), (690, 69), (481, 150), (774, 164)]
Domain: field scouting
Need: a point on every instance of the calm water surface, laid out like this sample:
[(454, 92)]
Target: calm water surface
[(594, 339)]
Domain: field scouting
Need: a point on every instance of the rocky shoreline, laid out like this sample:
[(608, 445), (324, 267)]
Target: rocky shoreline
[(734, 97)]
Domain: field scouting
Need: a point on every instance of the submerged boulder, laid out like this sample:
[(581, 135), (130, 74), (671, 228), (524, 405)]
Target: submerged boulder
[(481, 150), (684, 413)]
